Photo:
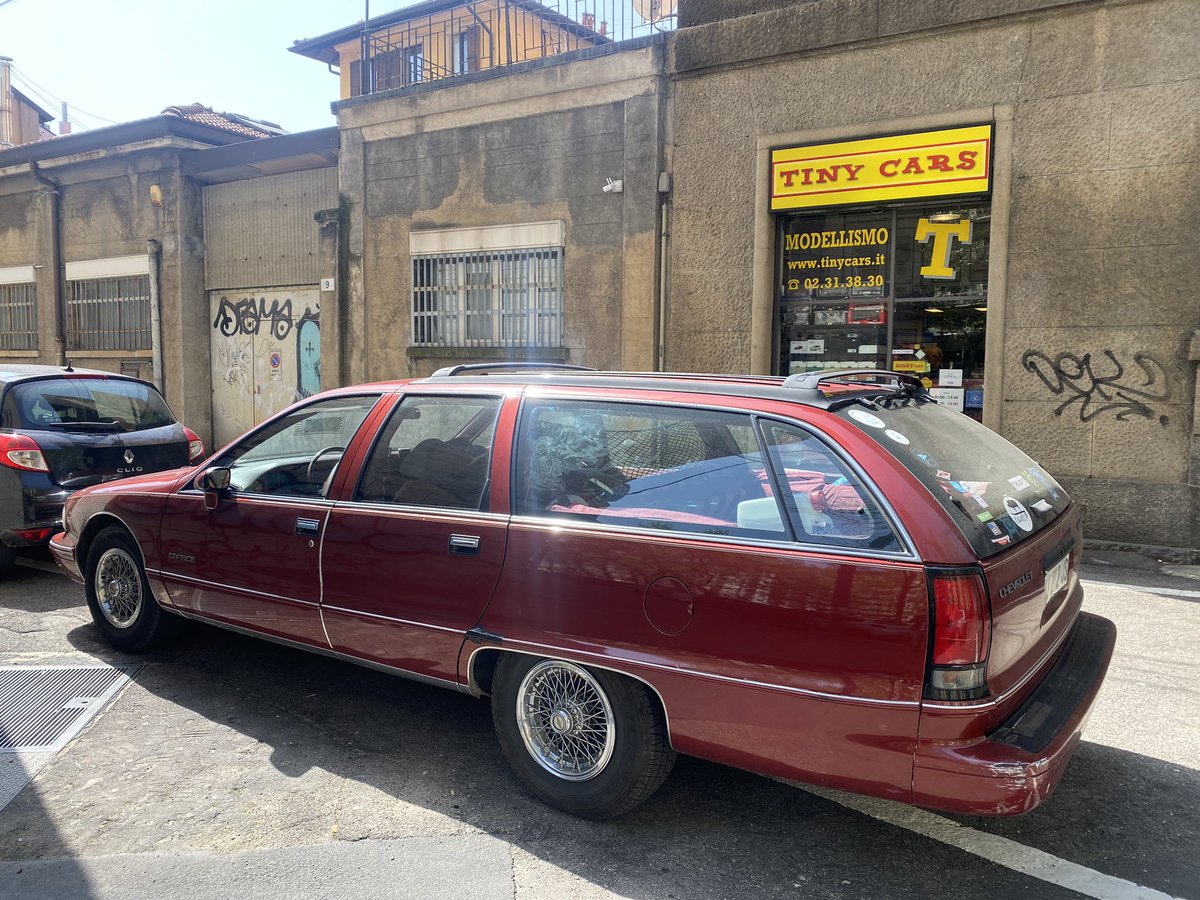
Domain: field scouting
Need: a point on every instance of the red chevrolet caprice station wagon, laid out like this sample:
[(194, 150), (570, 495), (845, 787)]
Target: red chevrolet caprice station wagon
[(826, 577)]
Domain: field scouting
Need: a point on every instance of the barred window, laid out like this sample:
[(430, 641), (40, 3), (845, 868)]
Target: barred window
[(494, 298), (18, 317), (109, 313)]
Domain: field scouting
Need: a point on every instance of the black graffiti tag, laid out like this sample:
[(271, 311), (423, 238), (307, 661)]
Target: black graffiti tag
[(246, 316), (1074, 377)]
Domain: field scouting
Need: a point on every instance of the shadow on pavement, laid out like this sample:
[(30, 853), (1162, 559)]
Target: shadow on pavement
[(710, 832)]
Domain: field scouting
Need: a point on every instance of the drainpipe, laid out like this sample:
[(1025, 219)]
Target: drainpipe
[(154, 251), (54, 189), (664, 191)]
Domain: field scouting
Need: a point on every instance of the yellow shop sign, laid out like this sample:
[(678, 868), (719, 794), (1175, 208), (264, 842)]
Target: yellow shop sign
[(898, 167)]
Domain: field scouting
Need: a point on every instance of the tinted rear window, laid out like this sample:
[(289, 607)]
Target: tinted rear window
[(996, 494), (85, 404)]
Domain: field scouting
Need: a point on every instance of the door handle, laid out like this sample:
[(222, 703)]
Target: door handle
[(464, 545), (308, 527)]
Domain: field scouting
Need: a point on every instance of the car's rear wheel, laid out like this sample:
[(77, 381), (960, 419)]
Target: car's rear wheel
[(119, 596), (590, 742)]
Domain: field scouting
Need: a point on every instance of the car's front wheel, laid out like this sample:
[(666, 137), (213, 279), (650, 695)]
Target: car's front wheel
[(119, 596), (590, 742)]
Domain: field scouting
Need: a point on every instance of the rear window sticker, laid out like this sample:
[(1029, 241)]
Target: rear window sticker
[(1042, 506), (1001, 541), (1018, 513), (1018, 483), (986, 517), (1043, 481), (866, 418), (943, 475), (980, 501), (896, 436), (922, 456), (995, 529), (958, 486)]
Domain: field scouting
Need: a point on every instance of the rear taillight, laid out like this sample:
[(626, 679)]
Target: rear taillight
[(19, 451), (195, 446), (962, 628)]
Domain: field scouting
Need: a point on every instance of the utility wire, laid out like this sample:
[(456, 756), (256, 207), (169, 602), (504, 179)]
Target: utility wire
[(47, 96)]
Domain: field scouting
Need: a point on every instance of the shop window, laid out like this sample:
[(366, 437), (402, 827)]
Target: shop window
[(18, 317), (510, 296), (901, 288)]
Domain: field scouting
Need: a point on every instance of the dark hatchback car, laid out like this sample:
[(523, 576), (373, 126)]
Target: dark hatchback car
[(828, 578), (63, 429)]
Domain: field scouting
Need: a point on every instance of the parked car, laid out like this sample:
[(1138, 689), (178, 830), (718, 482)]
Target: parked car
[(62, 429), (827, 577)]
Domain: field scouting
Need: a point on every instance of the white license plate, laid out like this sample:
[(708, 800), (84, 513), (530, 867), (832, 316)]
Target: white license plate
[(1056, 577)]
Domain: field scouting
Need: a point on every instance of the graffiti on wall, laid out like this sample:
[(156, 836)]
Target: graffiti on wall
[(248, 315), (266, 355), (1101, 386)]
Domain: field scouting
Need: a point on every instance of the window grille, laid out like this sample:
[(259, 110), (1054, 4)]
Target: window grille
[(498, 298), (18, 317), (109, 313)]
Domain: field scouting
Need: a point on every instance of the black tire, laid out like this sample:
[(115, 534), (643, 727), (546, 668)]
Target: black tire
[(624, 756), (8, 559), (124, 609)]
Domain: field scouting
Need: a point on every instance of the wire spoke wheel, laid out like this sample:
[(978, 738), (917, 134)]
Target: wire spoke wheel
[(565, 720), (118, 585)]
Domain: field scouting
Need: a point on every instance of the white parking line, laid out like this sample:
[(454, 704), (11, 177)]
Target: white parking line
[(1164, 592), (993, 848)]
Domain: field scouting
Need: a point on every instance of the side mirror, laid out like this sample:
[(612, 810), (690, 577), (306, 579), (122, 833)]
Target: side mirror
[(214, 483)]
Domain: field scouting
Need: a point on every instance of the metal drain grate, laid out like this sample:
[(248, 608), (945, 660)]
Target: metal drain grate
[(43, 707)]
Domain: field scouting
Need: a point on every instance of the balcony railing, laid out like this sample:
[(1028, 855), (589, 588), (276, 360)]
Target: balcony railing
[(492, 34)]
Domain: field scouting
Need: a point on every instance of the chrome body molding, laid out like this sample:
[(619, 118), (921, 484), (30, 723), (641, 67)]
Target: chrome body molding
[(611, 663), (358, 613), (247, 592), (325, 651)]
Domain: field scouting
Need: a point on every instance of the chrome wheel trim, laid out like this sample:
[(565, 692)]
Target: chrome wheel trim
[(565, 720), (118, 585)]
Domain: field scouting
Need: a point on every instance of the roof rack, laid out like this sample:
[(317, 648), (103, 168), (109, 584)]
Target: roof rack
[(450, 371)]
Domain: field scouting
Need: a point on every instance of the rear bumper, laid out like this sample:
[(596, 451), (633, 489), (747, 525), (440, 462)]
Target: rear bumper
[(1017, 766), (29, 502)]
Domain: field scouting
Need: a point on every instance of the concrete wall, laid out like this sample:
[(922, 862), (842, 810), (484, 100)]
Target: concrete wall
[(1097, 111), (533, 143), (108, 210)]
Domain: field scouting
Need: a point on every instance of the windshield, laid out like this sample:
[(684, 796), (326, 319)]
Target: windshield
[(85, 404), (996, 494)]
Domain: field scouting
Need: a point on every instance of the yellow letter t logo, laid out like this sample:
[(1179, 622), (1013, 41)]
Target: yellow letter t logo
[(942, 234)]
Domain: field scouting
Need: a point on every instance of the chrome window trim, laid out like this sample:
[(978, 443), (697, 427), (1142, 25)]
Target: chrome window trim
[(559, 653), (424, 512), (908, 547), (784, 544)]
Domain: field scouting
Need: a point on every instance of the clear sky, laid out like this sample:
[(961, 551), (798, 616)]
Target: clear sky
[(121, 60)]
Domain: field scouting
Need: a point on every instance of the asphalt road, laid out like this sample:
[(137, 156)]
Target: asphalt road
[(231, 767)]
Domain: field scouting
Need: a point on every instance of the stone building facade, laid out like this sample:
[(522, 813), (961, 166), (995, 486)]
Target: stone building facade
[(1084, 309)]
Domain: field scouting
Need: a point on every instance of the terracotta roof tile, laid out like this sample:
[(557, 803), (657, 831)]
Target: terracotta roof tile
[(231, 122)]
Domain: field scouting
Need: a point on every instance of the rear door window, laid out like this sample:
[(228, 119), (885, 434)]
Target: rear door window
[(996, 494), (654, 467)]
